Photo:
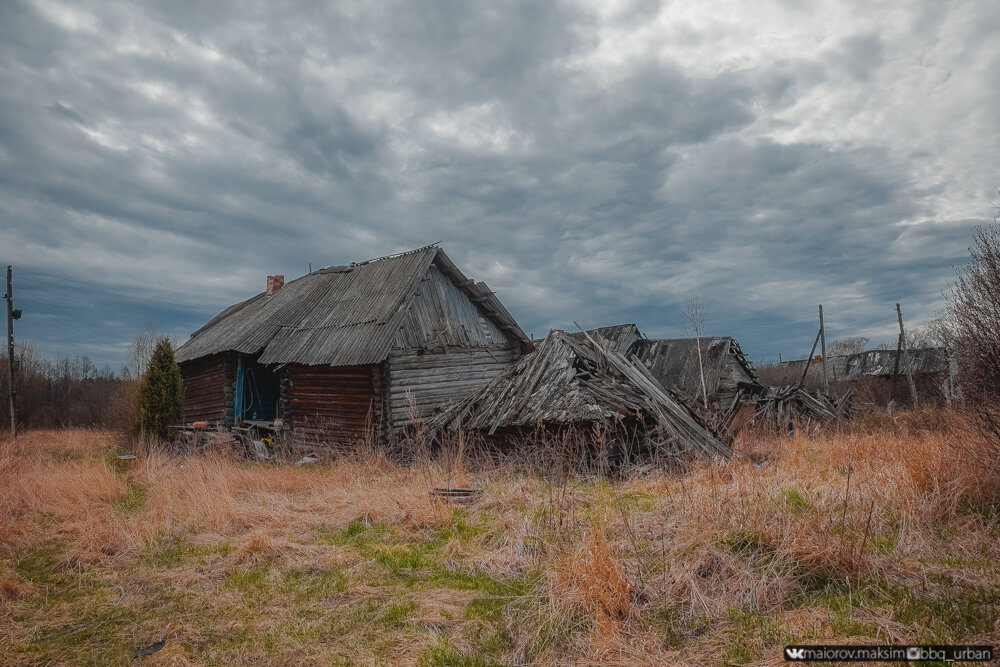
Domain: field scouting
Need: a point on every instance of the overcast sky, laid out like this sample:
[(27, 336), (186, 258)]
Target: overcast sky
[(592, 161)]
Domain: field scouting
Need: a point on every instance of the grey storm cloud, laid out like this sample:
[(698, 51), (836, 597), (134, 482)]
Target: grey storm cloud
[(593, 162)]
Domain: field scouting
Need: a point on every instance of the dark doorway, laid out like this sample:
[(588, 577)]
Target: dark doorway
[(261, 390)]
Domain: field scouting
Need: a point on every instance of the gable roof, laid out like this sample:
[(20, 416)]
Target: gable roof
[(338, 315)]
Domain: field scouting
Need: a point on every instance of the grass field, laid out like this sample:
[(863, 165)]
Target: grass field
[(881, 532)]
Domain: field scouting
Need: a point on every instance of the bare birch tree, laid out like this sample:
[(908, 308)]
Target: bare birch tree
[(139, 352), (694, 306)]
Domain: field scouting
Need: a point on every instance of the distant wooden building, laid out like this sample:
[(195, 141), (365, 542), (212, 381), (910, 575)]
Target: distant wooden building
[(350, 350), (674, 362), (881, 374), (675, 365)]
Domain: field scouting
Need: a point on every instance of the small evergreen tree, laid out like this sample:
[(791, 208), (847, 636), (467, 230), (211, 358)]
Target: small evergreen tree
[(160, 396)]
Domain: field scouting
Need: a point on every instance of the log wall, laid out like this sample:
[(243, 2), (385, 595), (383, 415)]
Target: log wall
[(335, 404), (431, 379), (208, 389)]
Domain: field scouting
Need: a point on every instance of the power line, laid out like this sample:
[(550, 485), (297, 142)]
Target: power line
[(121, 309), (95, 330), (134, 295)]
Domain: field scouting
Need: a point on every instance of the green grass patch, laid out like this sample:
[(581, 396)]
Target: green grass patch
[(72, 613), (175, 549), (251, 582), (133, 500), (381, 543), (461, 528), (841, 601), (946, 612), (752, 634), (747, 543), (630, 502), (498, 594), (792, 498), (313, 584), (442, 653), (39, 565), (375, 624)]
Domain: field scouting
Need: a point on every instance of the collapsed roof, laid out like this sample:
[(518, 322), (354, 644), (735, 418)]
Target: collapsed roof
[(338, 315), (617, 337), (567, 380)]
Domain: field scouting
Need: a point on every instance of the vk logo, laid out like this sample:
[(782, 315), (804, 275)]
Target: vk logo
[(794, 653)]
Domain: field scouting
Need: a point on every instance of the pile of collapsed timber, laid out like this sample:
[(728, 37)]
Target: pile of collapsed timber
[(780, 406), (567, 381)]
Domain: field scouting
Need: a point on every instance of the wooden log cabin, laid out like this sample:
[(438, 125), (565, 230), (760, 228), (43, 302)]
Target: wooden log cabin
[(348, 351)]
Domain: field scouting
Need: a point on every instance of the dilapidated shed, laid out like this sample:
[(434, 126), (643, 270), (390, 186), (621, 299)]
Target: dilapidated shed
[(349, 350), (674, 362), (572, 380), (881, 374), (877, 363)]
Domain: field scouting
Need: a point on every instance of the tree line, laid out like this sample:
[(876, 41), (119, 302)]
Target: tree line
[(73, 391), (66, 391)]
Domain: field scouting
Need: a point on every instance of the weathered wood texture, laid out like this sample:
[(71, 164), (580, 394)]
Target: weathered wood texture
[(208, 389), (565, 381), (781, 406), (730, 377), (431, 379), (330, 403), (442, 316), (674, 363)]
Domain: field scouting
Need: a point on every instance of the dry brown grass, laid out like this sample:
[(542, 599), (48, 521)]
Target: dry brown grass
[(882, 530)]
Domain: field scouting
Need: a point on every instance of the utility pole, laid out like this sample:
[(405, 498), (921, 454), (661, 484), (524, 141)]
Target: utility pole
[(906, 360), (822, 338), (10, 349)]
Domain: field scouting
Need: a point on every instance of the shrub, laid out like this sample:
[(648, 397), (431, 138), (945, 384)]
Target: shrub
[(972, 332), (160, 395)]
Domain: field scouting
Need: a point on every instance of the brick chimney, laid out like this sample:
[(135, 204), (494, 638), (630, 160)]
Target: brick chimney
[(274, 283)]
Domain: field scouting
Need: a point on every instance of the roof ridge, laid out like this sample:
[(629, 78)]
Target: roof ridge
[(435, 245)]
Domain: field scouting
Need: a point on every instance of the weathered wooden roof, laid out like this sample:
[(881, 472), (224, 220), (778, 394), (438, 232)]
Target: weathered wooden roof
[(338, 315), (875, 363), (674, 361), (618, 337), (566, 381)]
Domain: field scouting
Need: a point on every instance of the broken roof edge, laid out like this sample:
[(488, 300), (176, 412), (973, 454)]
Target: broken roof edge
[(748, 366)]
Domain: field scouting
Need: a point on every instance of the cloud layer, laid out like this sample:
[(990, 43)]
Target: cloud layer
[(596, 162)]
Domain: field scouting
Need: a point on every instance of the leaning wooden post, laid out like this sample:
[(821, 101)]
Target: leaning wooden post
[(10, 351), (802, 382), (906, 359), (822, 340)]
